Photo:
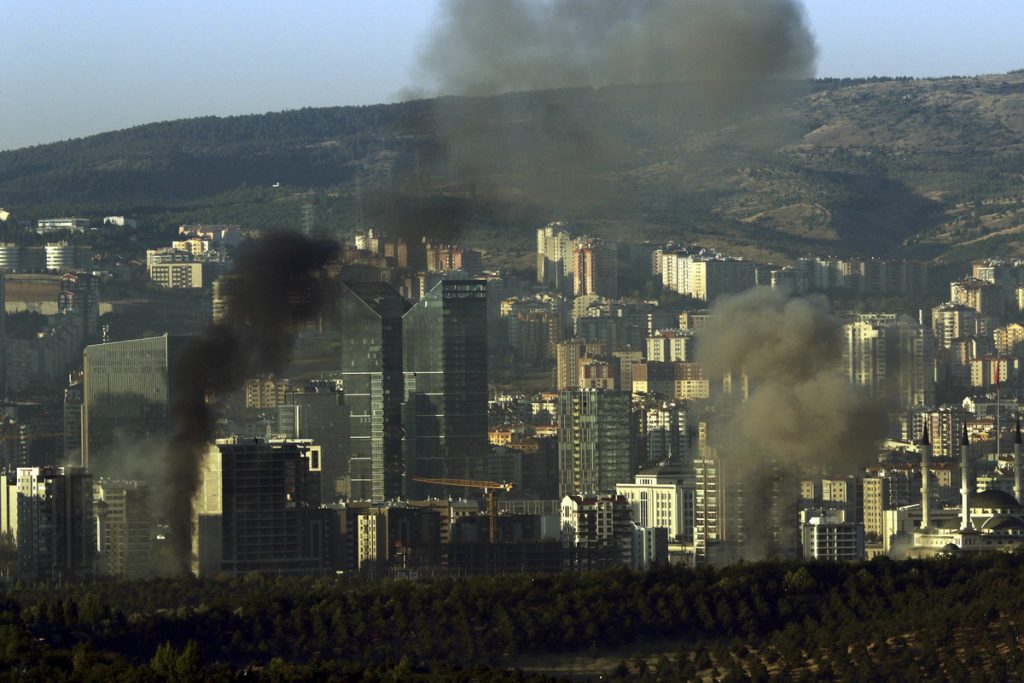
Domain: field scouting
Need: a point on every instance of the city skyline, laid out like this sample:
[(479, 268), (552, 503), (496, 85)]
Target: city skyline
[(646, 340)]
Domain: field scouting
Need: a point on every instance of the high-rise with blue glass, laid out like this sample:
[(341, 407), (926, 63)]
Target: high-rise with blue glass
[(445, 410)]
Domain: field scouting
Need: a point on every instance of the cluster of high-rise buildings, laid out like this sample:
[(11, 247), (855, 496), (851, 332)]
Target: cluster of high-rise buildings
[(871, 276), (918, 367), (411, 266), (401, 455), (703, 274), (576, 265)]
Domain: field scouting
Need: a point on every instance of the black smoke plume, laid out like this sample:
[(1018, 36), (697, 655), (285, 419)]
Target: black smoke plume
[(485, 47), (277, 284), (628, 86), (410, 217)]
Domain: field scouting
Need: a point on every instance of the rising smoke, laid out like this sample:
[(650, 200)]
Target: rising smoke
[(802, 411), (714, 62), (801, 417), (278, 283), (485, 47)]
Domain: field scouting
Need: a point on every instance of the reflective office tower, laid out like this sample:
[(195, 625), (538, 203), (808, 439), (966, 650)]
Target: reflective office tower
[(916, 363), (445, 411), (371, 367), (317, 412), (258, 509), (594, 441), (56, 536), (126, 403)]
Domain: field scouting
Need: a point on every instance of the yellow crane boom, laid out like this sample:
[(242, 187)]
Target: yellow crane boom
[(490, 489)]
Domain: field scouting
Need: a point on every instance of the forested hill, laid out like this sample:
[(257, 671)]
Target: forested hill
[(925, 168)]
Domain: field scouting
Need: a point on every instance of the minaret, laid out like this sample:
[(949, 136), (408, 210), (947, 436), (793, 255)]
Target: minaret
[(1016, 462), (926, 466), (965, 482)]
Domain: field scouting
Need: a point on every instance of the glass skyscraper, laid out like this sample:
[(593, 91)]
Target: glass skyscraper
[(445, 411), (126, 405), (318, 412), (371, 366)]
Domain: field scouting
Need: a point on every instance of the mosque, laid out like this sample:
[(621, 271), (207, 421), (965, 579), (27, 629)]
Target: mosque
[(984, 521)]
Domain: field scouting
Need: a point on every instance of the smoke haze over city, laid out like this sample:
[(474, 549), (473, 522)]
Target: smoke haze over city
[(647, 340)]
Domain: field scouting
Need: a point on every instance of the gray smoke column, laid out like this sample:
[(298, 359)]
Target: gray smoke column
[(484, 47), (802, 410), (278, 283), (601, 126)]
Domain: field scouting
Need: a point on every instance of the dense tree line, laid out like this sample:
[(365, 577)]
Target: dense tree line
[(881, 620)]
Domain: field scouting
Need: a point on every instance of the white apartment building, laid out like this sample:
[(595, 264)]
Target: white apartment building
[(826, 536), (663, 497), (555, 263), (670, 346), (178, 275), (67, 223)]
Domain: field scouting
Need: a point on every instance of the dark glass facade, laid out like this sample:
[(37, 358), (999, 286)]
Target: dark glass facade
[(56, 536), (126, 401), (258, 510), (318, 412), (446, 385), (371, 364)]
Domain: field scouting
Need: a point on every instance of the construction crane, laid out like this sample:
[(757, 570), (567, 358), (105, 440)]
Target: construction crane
[(490, 490)]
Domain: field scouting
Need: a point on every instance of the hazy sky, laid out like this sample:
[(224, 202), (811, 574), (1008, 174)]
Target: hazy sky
[(73, 68)]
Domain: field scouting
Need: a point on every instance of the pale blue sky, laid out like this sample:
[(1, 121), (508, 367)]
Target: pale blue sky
[(73, 68)]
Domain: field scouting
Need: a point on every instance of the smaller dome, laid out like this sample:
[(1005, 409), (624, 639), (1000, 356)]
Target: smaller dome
[(1003, 523), (993, 499)]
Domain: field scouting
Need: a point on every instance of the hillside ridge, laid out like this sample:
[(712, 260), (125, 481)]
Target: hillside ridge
[(922, 168)]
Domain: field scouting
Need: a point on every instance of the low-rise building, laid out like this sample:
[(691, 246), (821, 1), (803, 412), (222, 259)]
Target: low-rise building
[(44, 225), (598, 528), (179, 275), (827, 535), (663, 496)]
